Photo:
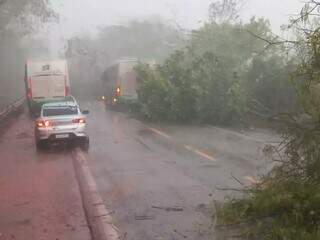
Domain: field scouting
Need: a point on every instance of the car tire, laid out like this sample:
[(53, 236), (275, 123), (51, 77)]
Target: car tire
[(85, 144)]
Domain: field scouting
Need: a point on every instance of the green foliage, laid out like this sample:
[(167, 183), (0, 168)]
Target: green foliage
[(285, 205), (283, 210), (153, 93), (19, 21), (215, 76), (232, 42), (269, 82), (181, 90)]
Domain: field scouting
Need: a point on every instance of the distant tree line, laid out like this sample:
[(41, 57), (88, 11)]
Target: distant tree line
[(153, 38), (20, 20)]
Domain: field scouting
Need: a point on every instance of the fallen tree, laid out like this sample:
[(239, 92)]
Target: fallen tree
[(285, 204)]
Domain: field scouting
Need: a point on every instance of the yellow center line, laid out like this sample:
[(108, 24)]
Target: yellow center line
[(190, 148), (200, 153)]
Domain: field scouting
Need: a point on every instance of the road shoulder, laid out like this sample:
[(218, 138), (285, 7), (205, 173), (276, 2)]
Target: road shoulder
[(99, 217)]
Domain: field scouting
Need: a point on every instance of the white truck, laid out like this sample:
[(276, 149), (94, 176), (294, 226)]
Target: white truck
[(46, 81)]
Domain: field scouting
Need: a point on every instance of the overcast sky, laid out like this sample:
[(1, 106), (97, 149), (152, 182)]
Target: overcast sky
[(83, 15)]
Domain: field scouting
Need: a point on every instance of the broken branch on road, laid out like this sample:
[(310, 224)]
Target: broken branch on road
[(103, 215), (143, 217), (168, 209)]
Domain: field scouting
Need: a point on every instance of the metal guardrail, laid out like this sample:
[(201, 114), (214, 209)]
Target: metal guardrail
[(11, 107)]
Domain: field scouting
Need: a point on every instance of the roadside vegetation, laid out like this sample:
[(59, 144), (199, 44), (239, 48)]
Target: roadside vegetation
[(226, 71), (285, 204), (20, 21), (230, 69)]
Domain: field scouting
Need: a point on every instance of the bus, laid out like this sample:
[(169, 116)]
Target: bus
[(46, 81)]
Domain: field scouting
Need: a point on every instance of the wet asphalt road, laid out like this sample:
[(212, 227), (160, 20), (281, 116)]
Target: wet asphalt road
[(158, 181), (39, 193), (140, 169), (5, 101)]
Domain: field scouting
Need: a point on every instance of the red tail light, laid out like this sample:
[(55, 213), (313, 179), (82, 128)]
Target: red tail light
[(29, 93), (68, 91), (118, 91), (42, 123), (79, 120)]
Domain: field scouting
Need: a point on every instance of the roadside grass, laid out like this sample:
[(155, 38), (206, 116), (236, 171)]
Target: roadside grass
[(275, 210)]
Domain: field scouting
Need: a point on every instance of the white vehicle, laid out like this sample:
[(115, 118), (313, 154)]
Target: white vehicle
[(61, 121), (46, 81)]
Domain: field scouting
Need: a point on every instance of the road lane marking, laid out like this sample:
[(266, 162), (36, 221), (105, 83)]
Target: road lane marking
[(160, 133), (99, 215), (201, 153), (188, 147)]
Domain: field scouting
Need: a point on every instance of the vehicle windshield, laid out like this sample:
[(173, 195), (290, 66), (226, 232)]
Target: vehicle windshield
[(60, 111)]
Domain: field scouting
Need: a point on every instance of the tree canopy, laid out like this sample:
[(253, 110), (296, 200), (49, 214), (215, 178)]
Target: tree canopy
[(19, 20), (24, 15), (223, 73)]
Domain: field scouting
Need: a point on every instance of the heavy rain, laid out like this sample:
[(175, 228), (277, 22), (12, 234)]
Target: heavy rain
[(159, 120)]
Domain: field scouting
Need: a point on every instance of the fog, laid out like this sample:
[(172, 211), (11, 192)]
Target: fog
[(185, 98), (86, 15)]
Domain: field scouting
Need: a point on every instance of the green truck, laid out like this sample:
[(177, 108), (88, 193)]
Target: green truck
[(46, 81), (120, 80)]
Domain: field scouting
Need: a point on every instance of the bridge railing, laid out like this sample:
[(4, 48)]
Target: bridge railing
[(13, 106)]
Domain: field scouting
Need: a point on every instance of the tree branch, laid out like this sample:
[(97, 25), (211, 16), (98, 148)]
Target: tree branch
[(271, 42)]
